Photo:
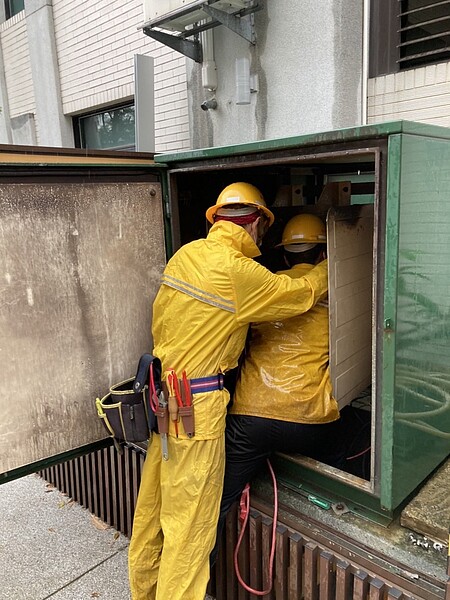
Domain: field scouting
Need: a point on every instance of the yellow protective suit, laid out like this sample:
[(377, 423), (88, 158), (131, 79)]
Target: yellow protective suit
[(211, 290), (285, 374)]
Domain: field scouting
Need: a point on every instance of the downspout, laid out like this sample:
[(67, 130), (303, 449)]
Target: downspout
[(209, 69), (365, 60)]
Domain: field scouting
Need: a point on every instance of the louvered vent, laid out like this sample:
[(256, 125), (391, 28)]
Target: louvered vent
[(424, 32)]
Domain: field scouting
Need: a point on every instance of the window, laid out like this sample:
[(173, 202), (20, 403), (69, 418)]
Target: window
[(408, 33), (12, 7), (424, 32), (111, 129)]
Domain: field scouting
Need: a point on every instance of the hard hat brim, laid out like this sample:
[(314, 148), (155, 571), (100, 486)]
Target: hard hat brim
[(307, 241)]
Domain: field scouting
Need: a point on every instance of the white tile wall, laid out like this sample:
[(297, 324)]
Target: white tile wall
[(421, 94), (16, 59), (96, 43)]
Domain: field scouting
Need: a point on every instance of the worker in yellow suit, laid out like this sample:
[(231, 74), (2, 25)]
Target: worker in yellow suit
[(211, 290), (283, 399)]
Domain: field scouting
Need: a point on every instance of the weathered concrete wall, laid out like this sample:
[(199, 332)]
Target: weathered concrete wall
[(308, 59), (55, 128)]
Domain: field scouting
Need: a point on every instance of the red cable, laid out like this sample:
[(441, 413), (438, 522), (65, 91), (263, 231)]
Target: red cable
[(359, 454), (152, 391), (245, 499)]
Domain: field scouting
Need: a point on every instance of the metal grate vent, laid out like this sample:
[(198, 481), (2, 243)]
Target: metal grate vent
[(424, 32), (106, 483), (304, 569)]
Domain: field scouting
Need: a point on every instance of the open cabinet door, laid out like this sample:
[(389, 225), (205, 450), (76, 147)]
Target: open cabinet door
[(350, 260), (80, 264)]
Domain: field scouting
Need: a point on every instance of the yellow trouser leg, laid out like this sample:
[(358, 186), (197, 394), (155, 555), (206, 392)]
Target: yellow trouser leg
[(146, 540), (191, 488)]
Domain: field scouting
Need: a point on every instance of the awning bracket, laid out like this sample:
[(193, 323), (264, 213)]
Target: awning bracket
[(190, 48), (243, 26)]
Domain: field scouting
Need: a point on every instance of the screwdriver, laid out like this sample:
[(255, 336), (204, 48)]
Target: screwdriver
[(173, 403)]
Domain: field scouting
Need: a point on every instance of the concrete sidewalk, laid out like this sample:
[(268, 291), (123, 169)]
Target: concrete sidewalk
[(50, 547)]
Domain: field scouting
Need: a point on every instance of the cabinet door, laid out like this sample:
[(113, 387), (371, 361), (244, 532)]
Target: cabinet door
[(416, 344), (80, 264), (350, 260)]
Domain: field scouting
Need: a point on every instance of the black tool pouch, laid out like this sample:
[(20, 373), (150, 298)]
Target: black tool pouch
[(126, 411)]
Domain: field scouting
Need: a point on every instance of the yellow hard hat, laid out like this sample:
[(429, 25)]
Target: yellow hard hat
[(304, 229), (240, 193)]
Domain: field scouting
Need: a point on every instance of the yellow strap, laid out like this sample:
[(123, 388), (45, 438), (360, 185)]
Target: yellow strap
[(121, 422), (102, 415)]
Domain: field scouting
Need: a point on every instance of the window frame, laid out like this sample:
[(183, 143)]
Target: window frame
[(9, 8), (79, 133), (387, 25)]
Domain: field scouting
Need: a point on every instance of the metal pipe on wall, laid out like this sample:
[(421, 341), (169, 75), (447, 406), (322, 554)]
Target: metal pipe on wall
[(365, 60)]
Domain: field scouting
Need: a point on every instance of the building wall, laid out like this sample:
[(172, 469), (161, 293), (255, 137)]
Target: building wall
[(95, 45), (18, 79), (308, 60), (421, 94)]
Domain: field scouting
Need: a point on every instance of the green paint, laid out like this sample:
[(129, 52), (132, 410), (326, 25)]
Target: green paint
[(53, 460), (386, 378), (421, 418), (339, 135)]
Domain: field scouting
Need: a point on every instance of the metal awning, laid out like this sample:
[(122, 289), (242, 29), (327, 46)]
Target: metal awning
[(186, 22)]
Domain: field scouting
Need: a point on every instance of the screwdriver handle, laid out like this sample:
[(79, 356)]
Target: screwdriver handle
[(173, 408), (173, 405)]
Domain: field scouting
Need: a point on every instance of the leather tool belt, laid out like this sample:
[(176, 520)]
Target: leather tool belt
[(126, 411), (179, 405)]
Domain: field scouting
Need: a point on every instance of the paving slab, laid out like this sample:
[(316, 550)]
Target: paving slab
[(428, 512), (49, 544), (104, 581), (52, 548)]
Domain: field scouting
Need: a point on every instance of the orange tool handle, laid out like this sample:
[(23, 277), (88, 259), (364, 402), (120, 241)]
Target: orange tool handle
[(172, 400), (176, 387), (187, 390)]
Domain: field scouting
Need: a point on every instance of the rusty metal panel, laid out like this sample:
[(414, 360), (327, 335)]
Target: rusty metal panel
[(360, 585), (266, 545), (281, 562), (327, 576), (79, 266), (343, 580), (295, 579), (255, 527)]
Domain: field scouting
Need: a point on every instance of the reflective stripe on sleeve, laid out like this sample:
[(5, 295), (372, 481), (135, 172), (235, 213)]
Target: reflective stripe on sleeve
[(197, 293)]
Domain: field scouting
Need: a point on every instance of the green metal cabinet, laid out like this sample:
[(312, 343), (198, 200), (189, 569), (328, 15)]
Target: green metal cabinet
[(402, 170), (396, 175)]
